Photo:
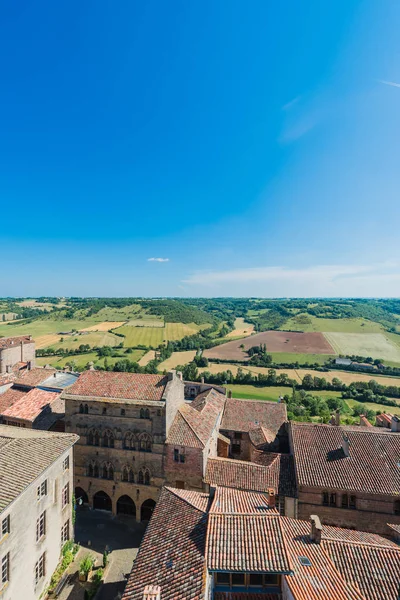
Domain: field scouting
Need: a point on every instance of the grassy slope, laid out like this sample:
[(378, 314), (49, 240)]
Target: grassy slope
[(81, 360), (334, 325), (154, 336), (253, 392)]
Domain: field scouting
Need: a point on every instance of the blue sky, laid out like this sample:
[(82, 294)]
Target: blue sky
[(255, 145)]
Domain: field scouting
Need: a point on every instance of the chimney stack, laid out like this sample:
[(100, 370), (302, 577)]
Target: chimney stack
[(395, 424), (337, 417), (152, 592), (202, 380), (179, 375), (316, 529), (271, 498), (346, 445), (229, 393)]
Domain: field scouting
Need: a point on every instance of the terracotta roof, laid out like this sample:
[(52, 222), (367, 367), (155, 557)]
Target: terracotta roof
[(371, 467), (364, 421), (8, 342), (245, 596), (227, 500), (172, 551), (194, 423), (374, 569), (243, 415), (260, 436), (30, 405), (34, 376), (9, 398), (246, 543), (277, 472), (25, 454), (395, 527), (198, 500), (320, 580), (387, 417), (130, 386)]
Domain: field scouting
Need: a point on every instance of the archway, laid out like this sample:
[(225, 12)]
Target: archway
[(80, 494), (126, 506), (102, 501), (147, 510)]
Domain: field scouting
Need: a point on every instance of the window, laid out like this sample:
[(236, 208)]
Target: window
[(145, 443), (129, 441), (65, 533), (97, 439), (40, 568), (5, 569), (182, 458), (66, 463), (147, 414), (96, 470), (90, 439), (104, 411), (142, 413), (41, 526), (65, 495), (131, 476), (280, 505), (108, 439), (86, 409), (237, 435), (237, 579), (90, 470), (42, 490), (81, 409), (352, 503), (159, 412), (256, 580), (147, 478), (329, 499), (345, 501), (176, 455), (223, 579), (5, 526), (397, 507), (122, 412), (235, 448), (332, 499), (125, 474)]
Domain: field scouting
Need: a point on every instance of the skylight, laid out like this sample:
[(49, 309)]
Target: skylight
[(304, 561)]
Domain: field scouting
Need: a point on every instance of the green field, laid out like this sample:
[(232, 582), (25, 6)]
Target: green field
[(81, 360), (252, 392), (376, 345), (292, 357), (154, 336), (375, 407), (309, 323), (40, 327), (93, 338)]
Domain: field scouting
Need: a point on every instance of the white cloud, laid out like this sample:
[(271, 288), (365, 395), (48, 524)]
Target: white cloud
[(392, 83), (158, 259), (381, 279)]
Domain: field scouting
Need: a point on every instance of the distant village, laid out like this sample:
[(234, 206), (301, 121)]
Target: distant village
[(233, 500)]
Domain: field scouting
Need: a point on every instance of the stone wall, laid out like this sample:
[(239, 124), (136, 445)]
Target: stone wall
[(15, 354)]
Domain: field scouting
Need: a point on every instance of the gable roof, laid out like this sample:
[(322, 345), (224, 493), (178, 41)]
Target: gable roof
[(34, 376), (171, 556), (9, 342), (244, 415), (30, 405), (277, 472), (25, 454), (371, 467), (126, 386), (228, 500), (194, 423), (10, 397)]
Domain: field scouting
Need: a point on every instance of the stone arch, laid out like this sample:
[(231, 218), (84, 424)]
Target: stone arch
[(144, 476), (126, 506), (107, 471), (81, 409), (127, 474), (81, 494), (130, 441), (102, 501), (147, 509), (108, 439)]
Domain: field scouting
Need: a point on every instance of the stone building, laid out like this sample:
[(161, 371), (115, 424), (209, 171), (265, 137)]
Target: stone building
[(193, 440), (253, 425), (14, 350), (123, 420), (349, 476), (233, 545), (36, 475)]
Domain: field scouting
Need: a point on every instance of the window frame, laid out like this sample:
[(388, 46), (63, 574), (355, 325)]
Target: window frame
[(39, 490), (5, 570), (65, 496), (40, 568), (66, 463), (65, 533), (41, 527), (5, 527)]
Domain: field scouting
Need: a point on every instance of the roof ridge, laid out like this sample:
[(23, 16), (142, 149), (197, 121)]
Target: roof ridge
[(360, 543), (189, 424)]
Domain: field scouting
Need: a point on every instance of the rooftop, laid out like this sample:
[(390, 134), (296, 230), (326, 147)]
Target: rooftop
[(274, 471), (372, 464), (244, 415), (10, 397), (8, 342), (34, 376), (30, 405), (126, 386), (25, 454)]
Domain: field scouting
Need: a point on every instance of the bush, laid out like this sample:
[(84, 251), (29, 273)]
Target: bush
[(86, 564)]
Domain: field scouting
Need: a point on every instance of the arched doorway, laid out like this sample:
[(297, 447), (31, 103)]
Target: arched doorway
[(147, 510), (81, 496), (102, 501), (126, 506)]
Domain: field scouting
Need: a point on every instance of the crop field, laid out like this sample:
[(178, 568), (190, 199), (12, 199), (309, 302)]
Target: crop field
[(81, 360), (376, 345), (154, 336), (109, 313), (292, 357), (242, 329), (146, 322), (374, 407), (104, 326), (41, 327), (276, 341), (252, 392), (93, 338), (45, 341), (309, 323), (177, 358), (146, 358)]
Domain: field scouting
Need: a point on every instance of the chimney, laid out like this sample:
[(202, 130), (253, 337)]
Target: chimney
[(346, 445), (202, 380), (152, 592), (337, 417), (229, 393), (179, 375), (316, 529), (271, 498), (395, 424), (91, 366), (22, 350), (29, 365), (171, 375)]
